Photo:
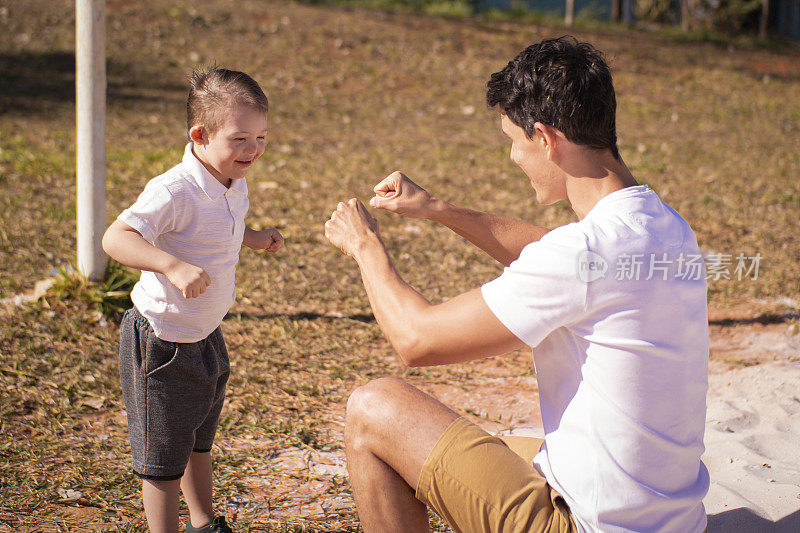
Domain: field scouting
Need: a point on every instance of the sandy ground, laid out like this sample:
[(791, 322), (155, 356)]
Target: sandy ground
[(753, 449), (752, 427)]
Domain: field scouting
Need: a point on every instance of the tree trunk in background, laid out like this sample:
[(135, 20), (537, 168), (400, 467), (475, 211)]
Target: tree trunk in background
[(615, 4), (569, 18), (685, 15), (787, 27), (762, 25)]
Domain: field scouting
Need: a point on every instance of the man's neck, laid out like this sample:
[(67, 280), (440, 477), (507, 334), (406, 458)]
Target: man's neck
[(599, 178)]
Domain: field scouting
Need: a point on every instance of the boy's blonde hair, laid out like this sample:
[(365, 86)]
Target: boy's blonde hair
[(215, 89)]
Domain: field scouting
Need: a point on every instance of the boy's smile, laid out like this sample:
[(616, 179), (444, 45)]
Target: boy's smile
[(230, 151)]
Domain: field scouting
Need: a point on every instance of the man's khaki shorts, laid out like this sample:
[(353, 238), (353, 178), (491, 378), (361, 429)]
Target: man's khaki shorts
[(479, 482)]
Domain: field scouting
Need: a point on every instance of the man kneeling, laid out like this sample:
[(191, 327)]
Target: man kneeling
[(613, 306)]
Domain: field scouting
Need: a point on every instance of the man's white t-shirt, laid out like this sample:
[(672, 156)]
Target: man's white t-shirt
[(614, 307), (188, 213)]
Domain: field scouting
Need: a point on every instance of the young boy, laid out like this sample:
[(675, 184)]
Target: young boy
[(184, 233)]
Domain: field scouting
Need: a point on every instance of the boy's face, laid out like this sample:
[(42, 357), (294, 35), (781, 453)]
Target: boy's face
[(229, 151)]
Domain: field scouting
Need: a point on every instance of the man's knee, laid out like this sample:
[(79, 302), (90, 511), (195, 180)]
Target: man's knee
[(373, 398), (373, 403)]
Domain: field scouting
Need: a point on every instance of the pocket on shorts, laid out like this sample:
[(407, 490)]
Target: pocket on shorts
[(160, 354)]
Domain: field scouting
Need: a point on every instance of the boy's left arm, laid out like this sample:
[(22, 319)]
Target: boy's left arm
[(267, 239)]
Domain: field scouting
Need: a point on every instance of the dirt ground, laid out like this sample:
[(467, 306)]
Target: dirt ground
[(304, 488), (502, 403)]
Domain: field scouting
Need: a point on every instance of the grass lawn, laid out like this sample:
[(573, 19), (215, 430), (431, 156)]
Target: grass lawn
[(354, 94)]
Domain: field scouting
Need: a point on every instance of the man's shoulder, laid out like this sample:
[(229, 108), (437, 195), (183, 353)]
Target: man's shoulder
[(568, 234), (637, 220), (568, 239), (557, 251)]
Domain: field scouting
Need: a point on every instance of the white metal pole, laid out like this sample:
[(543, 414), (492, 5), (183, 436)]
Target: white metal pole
[(90, 88)]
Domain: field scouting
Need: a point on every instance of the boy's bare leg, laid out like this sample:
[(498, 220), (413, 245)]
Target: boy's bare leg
[(161, 504), (196, 487), (391, 429)]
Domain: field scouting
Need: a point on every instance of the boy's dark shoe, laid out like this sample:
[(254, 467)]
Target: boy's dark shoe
[(217, 525)]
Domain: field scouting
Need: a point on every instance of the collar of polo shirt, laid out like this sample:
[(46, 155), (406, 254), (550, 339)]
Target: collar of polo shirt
[(210, 185)]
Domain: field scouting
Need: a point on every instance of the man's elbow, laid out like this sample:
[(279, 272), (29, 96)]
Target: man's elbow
[(414, 351), (411, 361)]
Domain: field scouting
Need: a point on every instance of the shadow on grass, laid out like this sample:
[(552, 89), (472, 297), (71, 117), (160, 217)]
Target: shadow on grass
[(768, 318), (35, 82), (358, 317), (744, 520)]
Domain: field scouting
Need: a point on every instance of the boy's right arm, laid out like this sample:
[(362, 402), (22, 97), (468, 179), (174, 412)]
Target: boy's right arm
[(501, 237), (127, 246)]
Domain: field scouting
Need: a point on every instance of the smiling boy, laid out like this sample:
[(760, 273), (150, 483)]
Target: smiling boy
[(184, 233)]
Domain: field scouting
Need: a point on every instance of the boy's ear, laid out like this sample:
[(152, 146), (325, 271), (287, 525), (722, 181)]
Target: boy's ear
[(198, 134)]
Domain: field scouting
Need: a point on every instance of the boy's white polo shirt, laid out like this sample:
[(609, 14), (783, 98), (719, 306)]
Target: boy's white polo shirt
[(619, 333), (189, 214)]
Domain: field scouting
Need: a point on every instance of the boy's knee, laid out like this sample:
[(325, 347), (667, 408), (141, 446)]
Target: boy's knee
[(162, 485)]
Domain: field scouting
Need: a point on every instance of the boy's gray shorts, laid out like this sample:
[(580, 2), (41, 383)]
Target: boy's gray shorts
[(173, 396)]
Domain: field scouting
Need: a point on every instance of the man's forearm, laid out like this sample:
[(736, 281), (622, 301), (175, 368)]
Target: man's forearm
[(395, 304), (501, 237), (460, 329)]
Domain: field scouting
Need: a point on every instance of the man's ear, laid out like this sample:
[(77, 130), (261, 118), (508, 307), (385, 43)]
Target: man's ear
[(198, 134), (548, 137)]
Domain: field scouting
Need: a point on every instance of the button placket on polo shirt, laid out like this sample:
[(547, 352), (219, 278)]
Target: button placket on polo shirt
[(235, 226)]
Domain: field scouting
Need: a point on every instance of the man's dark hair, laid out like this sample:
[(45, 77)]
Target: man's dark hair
[(562, 83)]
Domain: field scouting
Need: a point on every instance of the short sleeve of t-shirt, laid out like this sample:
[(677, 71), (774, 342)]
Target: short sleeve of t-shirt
[(541, 291), (153, 212)]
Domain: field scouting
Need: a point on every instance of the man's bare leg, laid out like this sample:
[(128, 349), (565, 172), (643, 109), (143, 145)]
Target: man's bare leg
[(391, 429)]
